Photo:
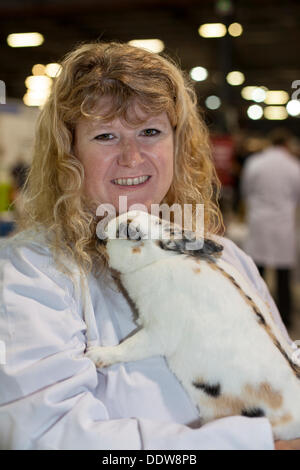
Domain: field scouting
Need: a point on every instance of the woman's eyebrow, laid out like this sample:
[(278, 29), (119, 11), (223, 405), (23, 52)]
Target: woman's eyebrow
[(97, 126), (154, 120)]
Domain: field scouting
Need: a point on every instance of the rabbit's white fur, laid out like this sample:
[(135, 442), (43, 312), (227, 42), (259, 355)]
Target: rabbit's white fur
[(217, 334)]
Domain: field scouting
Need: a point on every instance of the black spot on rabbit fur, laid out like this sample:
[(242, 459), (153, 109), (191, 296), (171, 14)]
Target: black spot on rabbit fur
[(211, 390), (253, 412), (196, 248)]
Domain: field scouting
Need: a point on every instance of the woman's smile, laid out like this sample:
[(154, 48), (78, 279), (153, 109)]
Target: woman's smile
[(133, 182)]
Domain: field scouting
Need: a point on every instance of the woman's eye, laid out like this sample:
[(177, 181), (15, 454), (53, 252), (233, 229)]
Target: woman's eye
[(150, 132), (104, 137)]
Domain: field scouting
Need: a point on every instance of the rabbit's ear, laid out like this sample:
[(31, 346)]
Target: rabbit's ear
[(190, 245), (211, 247)]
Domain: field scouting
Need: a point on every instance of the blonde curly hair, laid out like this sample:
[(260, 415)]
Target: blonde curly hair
[(54, 198)]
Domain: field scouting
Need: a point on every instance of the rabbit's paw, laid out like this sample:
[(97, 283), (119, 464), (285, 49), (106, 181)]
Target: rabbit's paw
[(102, 356)]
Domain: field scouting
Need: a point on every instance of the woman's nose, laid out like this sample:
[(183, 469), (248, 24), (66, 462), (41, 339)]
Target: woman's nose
[(130, 154)]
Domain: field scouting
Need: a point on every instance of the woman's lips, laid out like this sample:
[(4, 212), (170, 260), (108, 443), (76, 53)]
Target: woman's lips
[(132, 186)]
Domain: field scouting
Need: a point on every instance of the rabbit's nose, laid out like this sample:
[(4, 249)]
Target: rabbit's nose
[(134, 233), (126, 231)]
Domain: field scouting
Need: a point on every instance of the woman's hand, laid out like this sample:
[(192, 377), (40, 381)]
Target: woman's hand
[(293, 444)]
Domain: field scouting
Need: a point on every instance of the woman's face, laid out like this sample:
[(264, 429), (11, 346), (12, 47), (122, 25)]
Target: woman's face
[(121, 160)]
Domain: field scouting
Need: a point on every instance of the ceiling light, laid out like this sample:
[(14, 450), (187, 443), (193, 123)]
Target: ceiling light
[(276, 97), (255, 111), (235, 29), (39, 87), (35, 98), (213, 102), (293, 107), (38, 69), (258, 95), (25, 39), (38, 82), (254, 93), (198, 74), (152, 45), (247, 92), (212, 30), (53, 70), (235, 78), (275, 112)]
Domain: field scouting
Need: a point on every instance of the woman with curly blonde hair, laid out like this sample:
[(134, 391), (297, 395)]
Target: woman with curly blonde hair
[(119, 121), (128, 76)]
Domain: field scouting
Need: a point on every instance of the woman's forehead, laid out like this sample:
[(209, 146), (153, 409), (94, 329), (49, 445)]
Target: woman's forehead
[(132, 114), (133, 107)]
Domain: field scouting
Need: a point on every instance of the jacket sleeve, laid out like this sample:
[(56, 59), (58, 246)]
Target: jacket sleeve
[(47, 392)]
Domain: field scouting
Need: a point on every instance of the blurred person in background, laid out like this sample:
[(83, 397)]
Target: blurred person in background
[(270, 186), (245, 145)]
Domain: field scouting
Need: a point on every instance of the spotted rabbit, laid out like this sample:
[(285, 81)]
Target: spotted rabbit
[(217, 335)]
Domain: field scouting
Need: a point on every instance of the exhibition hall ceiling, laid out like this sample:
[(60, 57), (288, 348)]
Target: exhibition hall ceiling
[(266, 52)]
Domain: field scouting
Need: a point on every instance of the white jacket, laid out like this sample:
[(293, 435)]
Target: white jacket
[(271, 187), (52, 396)]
